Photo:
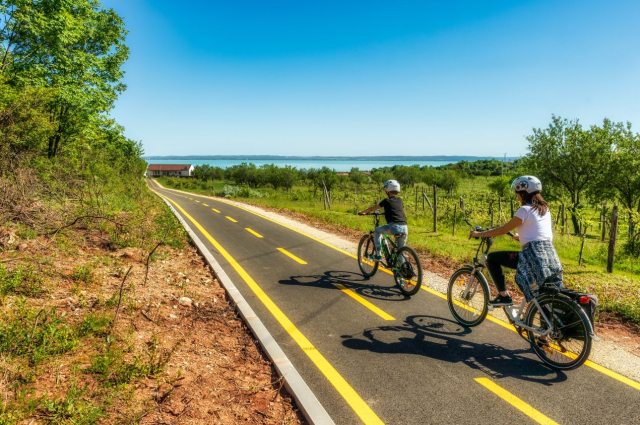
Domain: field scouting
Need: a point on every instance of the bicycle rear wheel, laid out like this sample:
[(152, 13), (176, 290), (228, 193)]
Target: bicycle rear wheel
[(366, 249), (471, 308), (408, 271), (569, 343)]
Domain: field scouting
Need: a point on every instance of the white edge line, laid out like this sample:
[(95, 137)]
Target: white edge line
[(306, 401)]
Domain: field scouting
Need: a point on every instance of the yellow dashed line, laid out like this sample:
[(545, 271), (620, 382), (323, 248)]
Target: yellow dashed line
[(257, 235), (231, 219), (515, 402), (364, 302), (290, 255), (215, 210), (206, 205)]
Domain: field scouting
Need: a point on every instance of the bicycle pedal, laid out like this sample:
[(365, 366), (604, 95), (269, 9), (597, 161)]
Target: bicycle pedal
[(489, 307)]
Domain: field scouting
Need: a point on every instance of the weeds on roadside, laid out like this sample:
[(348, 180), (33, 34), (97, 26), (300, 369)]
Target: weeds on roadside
[(113, 368), (36, 335), (20, 281), (73, 408), (83, 274)]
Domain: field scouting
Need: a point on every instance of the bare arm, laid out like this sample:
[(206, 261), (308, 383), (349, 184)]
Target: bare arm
[(510, 225), (368, 210)]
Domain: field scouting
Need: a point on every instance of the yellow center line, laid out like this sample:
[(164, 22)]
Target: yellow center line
[(515, 402), (354, 400), (229, 218), (589, 363), (206, 205), (197, 200), (258, 235), (364, 302), (290, 255), (215, 210)]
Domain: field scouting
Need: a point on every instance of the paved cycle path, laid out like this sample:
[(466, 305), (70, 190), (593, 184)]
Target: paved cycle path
[(372, 355)]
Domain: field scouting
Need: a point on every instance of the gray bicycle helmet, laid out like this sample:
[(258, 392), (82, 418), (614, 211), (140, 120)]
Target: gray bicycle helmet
[(527, 184)]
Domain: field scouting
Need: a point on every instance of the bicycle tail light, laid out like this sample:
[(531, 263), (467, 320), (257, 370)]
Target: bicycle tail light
[(584, 299)]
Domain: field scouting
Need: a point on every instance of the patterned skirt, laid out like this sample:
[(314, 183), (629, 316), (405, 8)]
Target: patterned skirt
[(538, 264)]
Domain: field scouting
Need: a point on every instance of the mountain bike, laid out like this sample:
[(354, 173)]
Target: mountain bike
[(556, 323), (403, 262)]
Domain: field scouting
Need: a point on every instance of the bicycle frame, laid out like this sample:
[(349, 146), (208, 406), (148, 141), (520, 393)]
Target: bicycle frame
[(513, 313), (389, 251)]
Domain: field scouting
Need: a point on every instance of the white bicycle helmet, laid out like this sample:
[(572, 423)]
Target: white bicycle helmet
[(527, 184), (391, 186)]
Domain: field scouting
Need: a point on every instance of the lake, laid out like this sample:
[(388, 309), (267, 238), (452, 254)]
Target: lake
[(337, 165)]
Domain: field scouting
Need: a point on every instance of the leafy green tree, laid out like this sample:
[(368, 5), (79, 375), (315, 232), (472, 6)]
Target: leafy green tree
[(357, 176), (24, 121), (380, 176), (571, 158), (449, 180), (74, 47), (624, 173), (407, 176), (501, 186)]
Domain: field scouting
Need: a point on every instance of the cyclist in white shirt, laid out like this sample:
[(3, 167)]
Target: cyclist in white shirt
[(538, 261)]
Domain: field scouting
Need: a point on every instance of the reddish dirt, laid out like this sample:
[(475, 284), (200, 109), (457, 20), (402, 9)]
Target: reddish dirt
[(216, 372)]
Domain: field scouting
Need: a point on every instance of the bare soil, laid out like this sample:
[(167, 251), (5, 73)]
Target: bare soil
[(214, 373)]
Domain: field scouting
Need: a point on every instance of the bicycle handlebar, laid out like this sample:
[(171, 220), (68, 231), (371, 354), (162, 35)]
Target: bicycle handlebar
[(480, 229)]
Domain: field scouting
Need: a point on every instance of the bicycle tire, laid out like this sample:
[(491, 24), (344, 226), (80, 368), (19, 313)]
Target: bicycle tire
[(366, 248), (470, 310), (408, 276), (569, 343)]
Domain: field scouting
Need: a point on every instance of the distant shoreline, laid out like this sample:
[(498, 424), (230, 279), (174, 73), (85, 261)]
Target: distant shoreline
[(449, 158)]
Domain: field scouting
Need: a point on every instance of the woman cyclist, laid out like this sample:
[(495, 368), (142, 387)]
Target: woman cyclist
[(538, 261)]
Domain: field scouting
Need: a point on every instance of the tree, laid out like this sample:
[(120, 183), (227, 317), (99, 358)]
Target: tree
[(449, 180), (623, 175), (357, 176), (407, 176), (501, 186), (566, 155), (380, 176), (74, 47)]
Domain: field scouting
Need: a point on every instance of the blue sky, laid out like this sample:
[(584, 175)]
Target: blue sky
[(372, 77)]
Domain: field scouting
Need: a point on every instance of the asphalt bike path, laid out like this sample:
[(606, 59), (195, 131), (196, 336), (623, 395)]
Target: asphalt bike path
[(386, 358)]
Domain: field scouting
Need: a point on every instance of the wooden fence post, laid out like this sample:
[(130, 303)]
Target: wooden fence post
[(435, 209), (455, 213), (491, 212), (416, 207), (423, 196), (612, 238)]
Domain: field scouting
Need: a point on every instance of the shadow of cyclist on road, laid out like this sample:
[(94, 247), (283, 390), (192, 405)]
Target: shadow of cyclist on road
[(441, 339), (354, 281)]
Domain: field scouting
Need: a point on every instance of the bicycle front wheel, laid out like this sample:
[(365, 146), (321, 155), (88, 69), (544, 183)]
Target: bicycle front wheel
[(568, 344), (408, 271), (366, 249), (468, 299)]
